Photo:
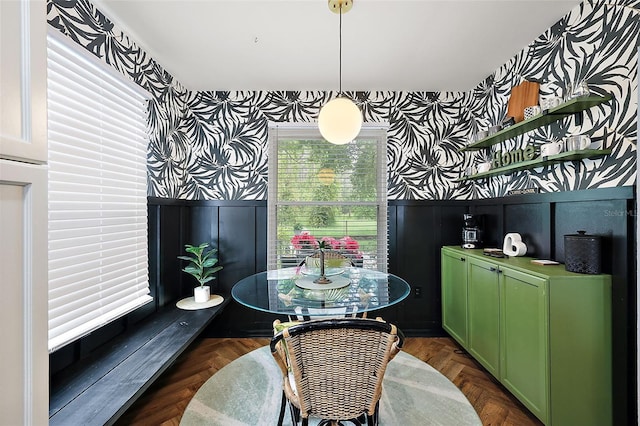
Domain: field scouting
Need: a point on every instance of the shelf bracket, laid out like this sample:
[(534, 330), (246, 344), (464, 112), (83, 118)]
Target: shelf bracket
[(578, 118)]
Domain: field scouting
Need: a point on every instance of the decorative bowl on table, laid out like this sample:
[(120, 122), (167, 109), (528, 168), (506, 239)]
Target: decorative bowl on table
[(334, 264)]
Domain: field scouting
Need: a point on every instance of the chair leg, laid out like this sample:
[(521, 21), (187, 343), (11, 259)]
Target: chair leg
[(374, 419), (295, 413), (283, 404)]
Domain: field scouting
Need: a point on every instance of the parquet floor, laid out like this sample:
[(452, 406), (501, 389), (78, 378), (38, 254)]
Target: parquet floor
[(165, 401)]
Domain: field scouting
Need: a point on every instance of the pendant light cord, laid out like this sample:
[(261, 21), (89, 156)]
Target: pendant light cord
[(340, 53)]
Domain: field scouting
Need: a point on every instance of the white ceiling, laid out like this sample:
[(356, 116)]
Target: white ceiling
[(404, 45)]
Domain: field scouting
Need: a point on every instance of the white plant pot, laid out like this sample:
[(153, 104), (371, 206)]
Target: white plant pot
[(201, 294)]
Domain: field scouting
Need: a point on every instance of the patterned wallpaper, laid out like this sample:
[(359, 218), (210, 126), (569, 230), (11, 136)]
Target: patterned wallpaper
[(213, 145)]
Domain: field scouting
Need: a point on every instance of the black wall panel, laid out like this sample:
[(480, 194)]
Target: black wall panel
[(451, 221), (417, 230), (533, 223), (493, 223), (173, 284), (606, 218), (237, 230), (416, 262), (204, 225)]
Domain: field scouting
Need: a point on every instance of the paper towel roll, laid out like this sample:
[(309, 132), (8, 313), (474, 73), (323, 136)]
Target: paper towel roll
[(513, 245)]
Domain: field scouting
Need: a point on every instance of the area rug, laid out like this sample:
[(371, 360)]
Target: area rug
[(247, 392)]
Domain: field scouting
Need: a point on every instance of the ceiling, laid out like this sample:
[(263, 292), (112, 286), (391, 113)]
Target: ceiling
[(403, 45)]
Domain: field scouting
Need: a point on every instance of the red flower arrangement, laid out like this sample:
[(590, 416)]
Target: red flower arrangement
[(305, 240), (331, 243), (349, 244)]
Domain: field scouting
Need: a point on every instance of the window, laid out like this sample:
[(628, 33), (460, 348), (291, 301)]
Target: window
[(97, 193), (320, 191)]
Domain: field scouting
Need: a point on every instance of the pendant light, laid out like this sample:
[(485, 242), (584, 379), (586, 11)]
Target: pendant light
[(340, 119)]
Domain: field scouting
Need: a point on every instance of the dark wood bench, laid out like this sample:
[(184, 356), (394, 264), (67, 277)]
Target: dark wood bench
[(100, 388)]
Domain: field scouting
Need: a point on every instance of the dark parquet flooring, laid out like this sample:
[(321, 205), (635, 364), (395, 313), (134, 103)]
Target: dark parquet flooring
[(165, 401)]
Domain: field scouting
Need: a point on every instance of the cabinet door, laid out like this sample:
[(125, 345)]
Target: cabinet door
[(23, 306), (454, 295), (484, 314), (24, 370), (580, 350), (524, 340), (23, 80)]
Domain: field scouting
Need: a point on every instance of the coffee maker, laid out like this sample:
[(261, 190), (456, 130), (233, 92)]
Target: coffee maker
[(472, 231)]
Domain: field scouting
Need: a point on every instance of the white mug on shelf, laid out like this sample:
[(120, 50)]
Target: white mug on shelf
[(554, 101), (484, 167), (577, 142), (550, 148)]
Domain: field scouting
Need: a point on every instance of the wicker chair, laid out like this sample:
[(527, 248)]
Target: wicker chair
[(333, 369)]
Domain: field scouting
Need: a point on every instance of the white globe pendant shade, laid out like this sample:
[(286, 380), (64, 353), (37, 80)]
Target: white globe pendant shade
[(340, 121)]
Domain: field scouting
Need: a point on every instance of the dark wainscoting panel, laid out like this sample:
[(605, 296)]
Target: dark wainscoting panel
[(533, 223), (172, 282), (238, 229), (607, 218), (493, 218), (418, 230)]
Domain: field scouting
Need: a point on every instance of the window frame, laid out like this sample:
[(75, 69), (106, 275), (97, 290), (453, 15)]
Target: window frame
[(310, 131)]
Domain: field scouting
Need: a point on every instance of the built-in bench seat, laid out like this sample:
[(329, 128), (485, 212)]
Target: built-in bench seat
[(101, 387)]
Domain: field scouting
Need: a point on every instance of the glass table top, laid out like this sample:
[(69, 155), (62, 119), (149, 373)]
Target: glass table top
[(290, 290)]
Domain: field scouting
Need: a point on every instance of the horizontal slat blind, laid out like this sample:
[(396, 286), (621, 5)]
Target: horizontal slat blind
[(97, 194), (321, 191)]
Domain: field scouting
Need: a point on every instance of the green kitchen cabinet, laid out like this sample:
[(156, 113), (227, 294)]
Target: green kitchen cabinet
[(580, 355), (484, 314), (524, 364), (454, 295), (543, 332)]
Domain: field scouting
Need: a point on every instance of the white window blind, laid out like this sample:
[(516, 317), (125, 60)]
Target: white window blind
[(324, 192), (98, 269)]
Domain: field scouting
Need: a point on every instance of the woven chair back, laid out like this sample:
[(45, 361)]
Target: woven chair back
[(338, 365)]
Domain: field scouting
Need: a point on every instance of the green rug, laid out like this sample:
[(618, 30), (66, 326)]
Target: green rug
[(247, 392)]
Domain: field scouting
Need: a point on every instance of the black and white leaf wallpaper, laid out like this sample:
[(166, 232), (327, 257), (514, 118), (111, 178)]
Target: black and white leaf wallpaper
[(213, 145)]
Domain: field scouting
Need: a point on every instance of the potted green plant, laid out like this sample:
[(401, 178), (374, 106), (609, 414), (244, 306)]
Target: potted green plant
[(202, 266)]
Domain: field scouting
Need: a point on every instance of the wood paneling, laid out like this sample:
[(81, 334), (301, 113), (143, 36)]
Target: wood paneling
[(417, 230), (532, 221)]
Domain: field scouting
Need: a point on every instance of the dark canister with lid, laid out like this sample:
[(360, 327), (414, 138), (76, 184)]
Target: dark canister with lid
[(582, 253)]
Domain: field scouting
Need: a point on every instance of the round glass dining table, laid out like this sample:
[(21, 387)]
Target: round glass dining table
[(291, 291)]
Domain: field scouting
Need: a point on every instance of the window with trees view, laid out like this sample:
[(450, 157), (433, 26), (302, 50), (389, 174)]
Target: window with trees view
[(324, 192)]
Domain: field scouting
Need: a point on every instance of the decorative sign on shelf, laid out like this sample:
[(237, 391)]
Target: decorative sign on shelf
[(524, 191), (503, 159)]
